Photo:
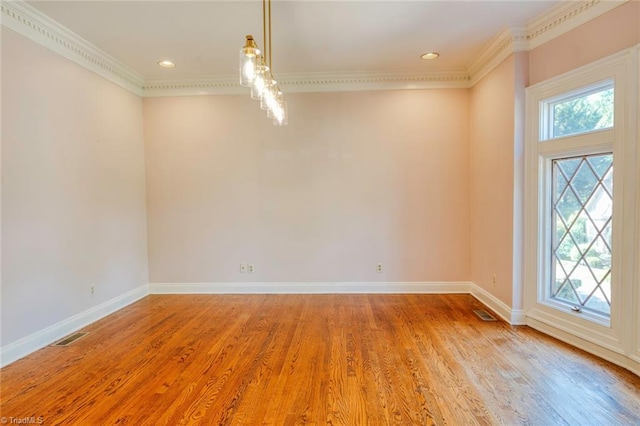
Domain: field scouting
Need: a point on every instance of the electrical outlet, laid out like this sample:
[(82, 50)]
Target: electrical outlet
[(250, 268), (93, 290), (494, 280), (243, 268), (379, 268)]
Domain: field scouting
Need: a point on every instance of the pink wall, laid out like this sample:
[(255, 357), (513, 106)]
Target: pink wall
[(495, 145), (497, 123), (596, 39), (73, 191), (355, 179)]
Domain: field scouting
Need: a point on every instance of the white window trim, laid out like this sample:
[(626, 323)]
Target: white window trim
[(635, 351), (619, 340)]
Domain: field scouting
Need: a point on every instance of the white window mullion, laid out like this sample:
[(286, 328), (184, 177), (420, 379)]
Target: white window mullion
[(592, 143)]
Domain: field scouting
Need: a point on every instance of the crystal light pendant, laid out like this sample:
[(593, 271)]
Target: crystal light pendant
[(255, 72), (248, 56), (280, 114), (269, 95), (259, 82)]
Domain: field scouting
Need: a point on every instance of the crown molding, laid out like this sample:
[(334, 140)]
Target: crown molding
[(317, 82), (31, 23), (566, 17), (323, 82), (554, 23), (38, 27), (227, 85), (510, 40)]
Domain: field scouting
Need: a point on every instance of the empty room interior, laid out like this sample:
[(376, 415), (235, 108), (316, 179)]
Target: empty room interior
[(320, 212)]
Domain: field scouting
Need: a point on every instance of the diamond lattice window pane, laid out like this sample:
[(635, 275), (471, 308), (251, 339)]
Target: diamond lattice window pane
[(569, 166), (581, 239), (608, 181), (606, 234), (584, 181), (567, 291), (599, 207), (600, 164), (560, 185), (578, 231), (561, 247), (599, 301), (561, 275), (567, 206)]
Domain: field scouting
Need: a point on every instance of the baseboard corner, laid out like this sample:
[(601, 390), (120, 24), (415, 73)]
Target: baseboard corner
[(504, 311), (22, 347)]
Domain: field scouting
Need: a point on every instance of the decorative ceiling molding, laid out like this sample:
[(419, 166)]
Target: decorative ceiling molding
[(375, 81), (566, 17), (304, 83), (31, 23), (538, 31), (203, 86), (38, 27), (511, 39)]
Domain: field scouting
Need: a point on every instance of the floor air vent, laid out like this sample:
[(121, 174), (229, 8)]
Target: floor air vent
[(70, 339), (484, 315)]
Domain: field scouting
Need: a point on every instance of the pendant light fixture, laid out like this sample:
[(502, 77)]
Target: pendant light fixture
[(255, 72)]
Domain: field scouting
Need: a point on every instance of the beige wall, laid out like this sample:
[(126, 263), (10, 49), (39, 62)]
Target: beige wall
[(425, 182), (73, 191), (355, 179), (494, 139), (596, 39)]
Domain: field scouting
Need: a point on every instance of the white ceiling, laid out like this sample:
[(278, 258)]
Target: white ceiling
[(204, 37)]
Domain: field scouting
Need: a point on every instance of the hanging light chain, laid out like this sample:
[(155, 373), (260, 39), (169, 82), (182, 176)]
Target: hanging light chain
[(264, 31), (270, 56)]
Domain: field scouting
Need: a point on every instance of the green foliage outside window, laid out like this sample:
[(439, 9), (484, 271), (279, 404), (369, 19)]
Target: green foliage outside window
[(583, 114)]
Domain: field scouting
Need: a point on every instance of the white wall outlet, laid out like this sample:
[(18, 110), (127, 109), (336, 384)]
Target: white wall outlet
[(243, 268), (250, 268), (93, 290), (379, 268), (494, 281)]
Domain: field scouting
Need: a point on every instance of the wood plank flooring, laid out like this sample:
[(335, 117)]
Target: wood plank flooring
[(315, 359)]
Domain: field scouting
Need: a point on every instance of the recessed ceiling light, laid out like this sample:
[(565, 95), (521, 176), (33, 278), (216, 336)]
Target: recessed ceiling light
[(430, 55), (166, 64)]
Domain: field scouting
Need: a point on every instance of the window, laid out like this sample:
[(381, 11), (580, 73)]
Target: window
[(575, 151), (581, 221), (580, 205), (584, 110)]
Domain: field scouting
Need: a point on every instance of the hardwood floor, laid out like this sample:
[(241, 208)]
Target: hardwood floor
[(315, 359)]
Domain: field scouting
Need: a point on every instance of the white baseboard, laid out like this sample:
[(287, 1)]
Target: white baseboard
[(309, 287), (23, 347), (512, 316), (518, 317)]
